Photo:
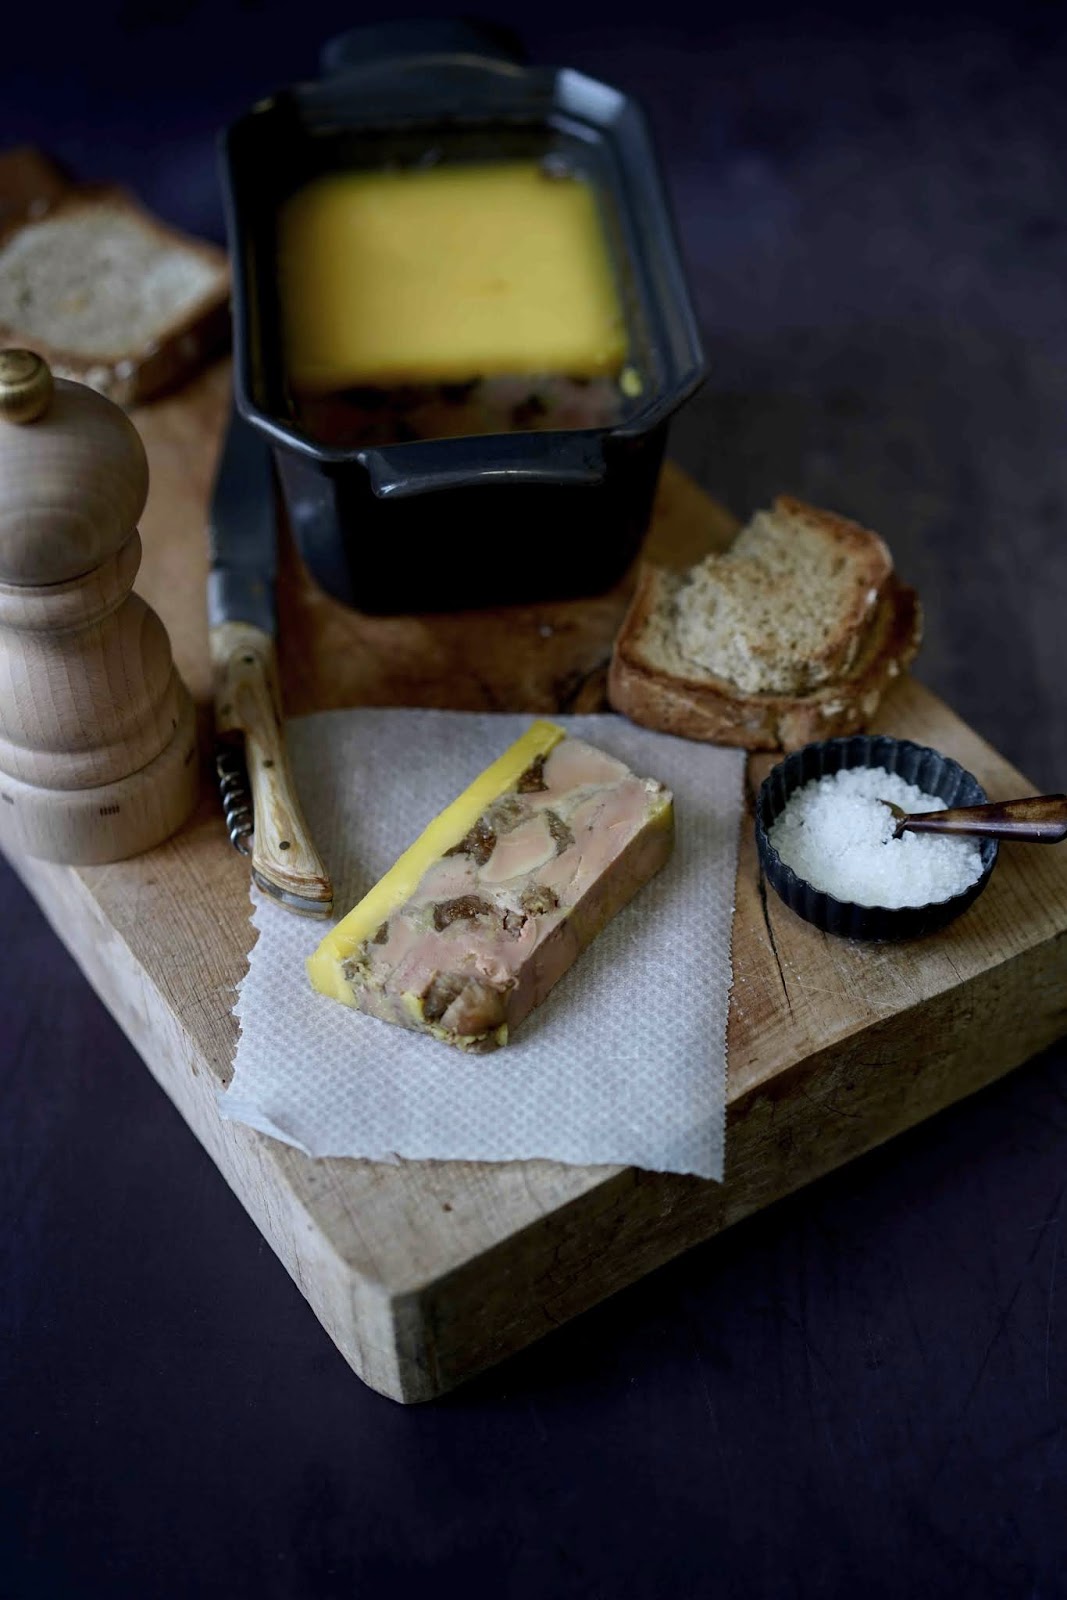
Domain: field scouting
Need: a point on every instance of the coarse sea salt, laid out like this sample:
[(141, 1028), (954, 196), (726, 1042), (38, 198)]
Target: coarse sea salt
[(836, 836)]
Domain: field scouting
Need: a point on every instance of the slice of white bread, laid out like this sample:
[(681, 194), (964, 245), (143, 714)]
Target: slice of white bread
[(792, 635), (102, 290)]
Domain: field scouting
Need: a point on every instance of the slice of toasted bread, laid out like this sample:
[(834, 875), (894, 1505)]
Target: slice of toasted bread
[(869, 642), (103, 291), (784, 609)]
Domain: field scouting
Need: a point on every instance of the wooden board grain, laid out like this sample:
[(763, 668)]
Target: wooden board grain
[(425, 1272)]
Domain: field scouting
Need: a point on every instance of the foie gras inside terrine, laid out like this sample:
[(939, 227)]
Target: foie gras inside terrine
[(456, 299), (470, 929)]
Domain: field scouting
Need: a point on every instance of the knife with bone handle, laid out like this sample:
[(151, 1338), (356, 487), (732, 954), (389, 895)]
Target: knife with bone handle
[(260, 803)]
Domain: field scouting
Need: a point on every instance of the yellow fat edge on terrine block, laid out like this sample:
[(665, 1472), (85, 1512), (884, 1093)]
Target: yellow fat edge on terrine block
[(326, 967)]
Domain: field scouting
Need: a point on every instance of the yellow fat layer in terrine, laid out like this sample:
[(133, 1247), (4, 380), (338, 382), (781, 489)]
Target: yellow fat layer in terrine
[(445, 275), (326, 966)]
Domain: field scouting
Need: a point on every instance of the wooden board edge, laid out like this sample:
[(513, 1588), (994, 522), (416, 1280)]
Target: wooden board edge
[(355, 1310), (779, 1140)]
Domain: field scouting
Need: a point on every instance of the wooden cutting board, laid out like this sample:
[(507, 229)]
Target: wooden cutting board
[(424, 1273)]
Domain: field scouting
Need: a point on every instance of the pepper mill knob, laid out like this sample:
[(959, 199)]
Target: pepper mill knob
[(25, 385), (97, 732)]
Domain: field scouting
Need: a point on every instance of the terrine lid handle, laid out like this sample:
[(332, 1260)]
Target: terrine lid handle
[(572, 460), (377, 43)]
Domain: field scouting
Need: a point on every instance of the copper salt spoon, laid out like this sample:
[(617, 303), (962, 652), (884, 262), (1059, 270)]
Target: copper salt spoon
[(1040, 819)]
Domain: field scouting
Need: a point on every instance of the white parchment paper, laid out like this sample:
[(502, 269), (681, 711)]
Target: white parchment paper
[(625, 1062)]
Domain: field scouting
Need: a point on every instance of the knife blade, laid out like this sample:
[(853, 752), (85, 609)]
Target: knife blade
[(263, 815)]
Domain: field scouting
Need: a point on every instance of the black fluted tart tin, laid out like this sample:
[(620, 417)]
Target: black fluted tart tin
[(497, 518), (929, 770)]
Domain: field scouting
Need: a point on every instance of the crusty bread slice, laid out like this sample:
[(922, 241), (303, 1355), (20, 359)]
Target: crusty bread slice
[(106, 293), (785, 608), (861, 641)]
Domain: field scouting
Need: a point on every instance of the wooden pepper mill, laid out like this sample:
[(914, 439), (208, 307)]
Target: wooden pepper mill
[(97, 734)]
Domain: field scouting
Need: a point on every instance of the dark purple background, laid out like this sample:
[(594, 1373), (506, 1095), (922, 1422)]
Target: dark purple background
[(862, 1392)]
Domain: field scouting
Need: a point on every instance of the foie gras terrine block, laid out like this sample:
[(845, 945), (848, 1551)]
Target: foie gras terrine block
[(472, 926)]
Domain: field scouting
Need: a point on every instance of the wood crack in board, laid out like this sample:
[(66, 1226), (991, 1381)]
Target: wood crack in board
[(762, 886)]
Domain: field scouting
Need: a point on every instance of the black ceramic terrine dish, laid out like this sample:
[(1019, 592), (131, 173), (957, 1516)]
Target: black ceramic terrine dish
[(441, 523), (915, 763)]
